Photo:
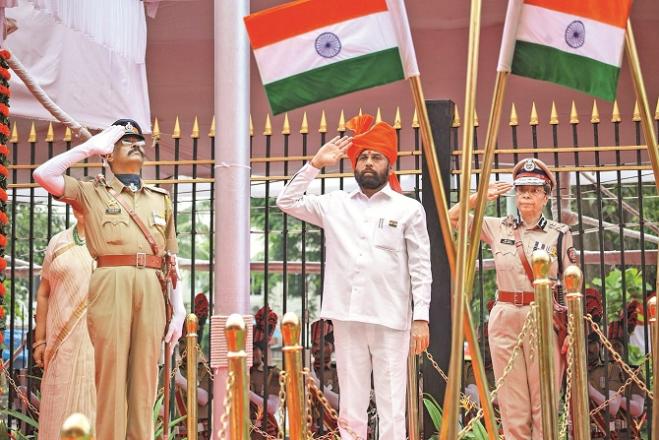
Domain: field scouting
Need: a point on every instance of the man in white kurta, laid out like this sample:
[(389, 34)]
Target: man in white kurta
[(377, 274)]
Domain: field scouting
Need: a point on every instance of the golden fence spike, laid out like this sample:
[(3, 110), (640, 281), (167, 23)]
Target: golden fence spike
[(534, 115), (32, 137), (415, 120), (615, 113), (286, 127), (475, 118), (195, 129), (636, 115), (456, 117), (378, 116), (595, 115), (514, 120), (304, 128), (574, 116), (251, 125), (176, 134), (155, 131), (211, 131), (656, 110), (397, 121), (67, 135), (360, 111), (50, 135), (323, 123), (14, 133), (267, 130), (342, 122), (553, 118)]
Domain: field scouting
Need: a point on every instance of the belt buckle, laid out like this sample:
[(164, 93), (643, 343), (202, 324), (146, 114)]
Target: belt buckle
[(140, 260), (518, 302)]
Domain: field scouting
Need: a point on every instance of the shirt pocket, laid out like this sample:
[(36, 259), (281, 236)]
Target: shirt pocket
[(389, 238), (158, 223), (506, 258), (115, 228)]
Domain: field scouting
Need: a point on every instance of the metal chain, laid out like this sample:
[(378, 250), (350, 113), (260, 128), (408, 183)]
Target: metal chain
[(323, 401), (307, 398), (20, 394), (616, 394), (228, 398), (569, 371), (283, 376), (202, 357), (616, 357), (528, 324)]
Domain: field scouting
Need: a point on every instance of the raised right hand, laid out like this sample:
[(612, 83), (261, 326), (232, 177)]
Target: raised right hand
[(330, 153), (102, 144)]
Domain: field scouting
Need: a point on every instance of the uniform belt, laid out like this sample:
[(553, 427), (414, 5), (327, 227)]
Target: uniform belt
[(517, 298), (140, 260)]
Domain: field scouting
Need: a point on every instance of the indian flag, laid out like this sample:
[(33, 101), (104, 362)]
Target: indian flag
[(575, 43), (311, 50)]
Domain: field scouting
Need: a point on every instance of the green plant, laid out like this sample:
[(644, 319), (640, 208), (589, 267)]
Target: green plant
[(157, 420), (613, 286), (436, 413)]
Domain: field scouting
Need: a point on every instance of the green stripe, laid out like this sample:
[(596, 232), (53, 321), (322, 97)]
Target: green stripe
[(335, 79), (581, 73)]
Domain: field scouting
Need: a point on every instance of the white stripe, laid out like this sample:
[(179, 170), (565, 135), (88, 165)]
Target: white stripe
[(603, 42), (402, 26), (509, 32), (359, 36)]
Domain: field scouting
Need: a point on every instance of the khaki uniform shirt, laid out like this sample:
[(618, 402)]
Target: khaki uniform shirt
[(499, 233), (109, 229)]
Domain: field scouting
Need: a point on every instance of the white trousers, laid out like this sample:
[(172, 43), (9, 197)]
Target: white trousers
[(362, 349)]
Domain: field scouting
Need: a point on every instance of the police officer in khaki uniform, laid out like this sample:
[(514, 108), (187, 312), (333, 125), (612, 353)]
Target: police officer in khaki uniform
[(126, 315), (511, 239)]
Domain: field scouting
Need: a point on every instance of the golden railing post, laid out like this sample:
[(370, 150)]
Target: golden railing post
[(236, 334), (290, 331), (412, 397), (544, 300), (654, 340), (191, 350), (76, 427), (579, 401)]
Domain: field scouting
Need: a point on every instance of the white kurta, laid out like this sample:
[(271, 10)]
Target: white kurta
[(378, 252), (378, 265)]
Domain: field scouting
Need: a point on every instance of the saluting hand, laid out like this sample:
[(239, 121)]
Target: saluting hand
[(420, 337), (102, 144), (494, 190), (333, 151)]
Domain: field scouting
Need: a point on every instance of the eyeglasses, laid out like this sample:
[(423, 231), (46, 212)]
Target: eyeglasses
[(128, 143), (533, 190)]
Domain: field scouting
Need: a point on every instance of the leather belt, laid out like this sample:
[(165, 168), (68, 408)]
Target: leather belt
[(517, 298), (139, 260)]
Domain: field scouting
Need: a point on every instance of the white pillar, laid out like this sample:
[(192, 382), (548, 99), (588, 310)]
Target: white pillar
[(232, 172)]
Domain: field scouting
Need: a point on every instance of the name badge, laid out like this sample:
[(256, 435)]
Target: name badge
[(158, 219), (113, 210), (508, 241), (393, 223)]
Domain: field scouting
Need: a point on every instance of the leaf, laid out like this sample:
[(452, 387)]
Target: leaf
[(22, 417), (434, 410)]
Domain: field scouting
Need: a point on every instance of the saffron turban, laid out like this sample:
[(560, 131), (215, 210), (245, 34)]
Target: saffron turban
[(380, 137)]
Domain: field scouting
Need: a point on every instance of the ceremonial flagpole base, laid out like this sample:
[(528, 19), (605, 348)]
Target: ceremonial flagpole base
[(295, 396), (236, 334)]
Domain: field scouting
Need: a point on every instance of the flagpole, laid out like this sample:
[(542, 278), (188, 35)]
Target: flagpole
[(430, 156), (452, 395), (651, 142)]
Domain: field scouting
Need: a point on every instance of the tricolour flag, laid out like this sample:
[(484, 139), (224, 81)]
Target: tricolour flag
[(311, 50), (575, 43)]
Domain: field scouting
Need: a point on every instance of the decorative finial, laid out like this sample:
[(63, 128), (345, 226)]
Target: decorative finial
[(574, 116)]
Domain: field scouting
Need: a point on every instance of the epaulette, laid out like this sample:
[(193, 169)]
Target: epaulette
[(510, 221), (558, 226), (157, 189), (100, 180)]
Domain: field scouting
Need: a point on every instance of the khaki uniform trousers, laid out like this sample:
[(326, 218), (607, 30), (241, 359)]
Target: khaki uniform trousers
[(519, 397), (126, 322)]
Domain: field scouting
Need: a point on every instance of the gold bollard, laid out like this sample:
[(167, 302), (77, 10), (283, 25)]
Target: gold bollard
[(654, 347), (412, 397), (290, 331), (579, 401), (236, 334), (191, 350), (76, 427), (544, 300)]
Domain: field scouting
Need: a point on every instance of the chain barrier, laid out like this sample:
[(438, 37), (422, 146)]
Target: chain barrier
[(617, 358), (528, 324), (569, 376), (307, 398), (20, 394), (283, 376), (618, 392), (228, 398)]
